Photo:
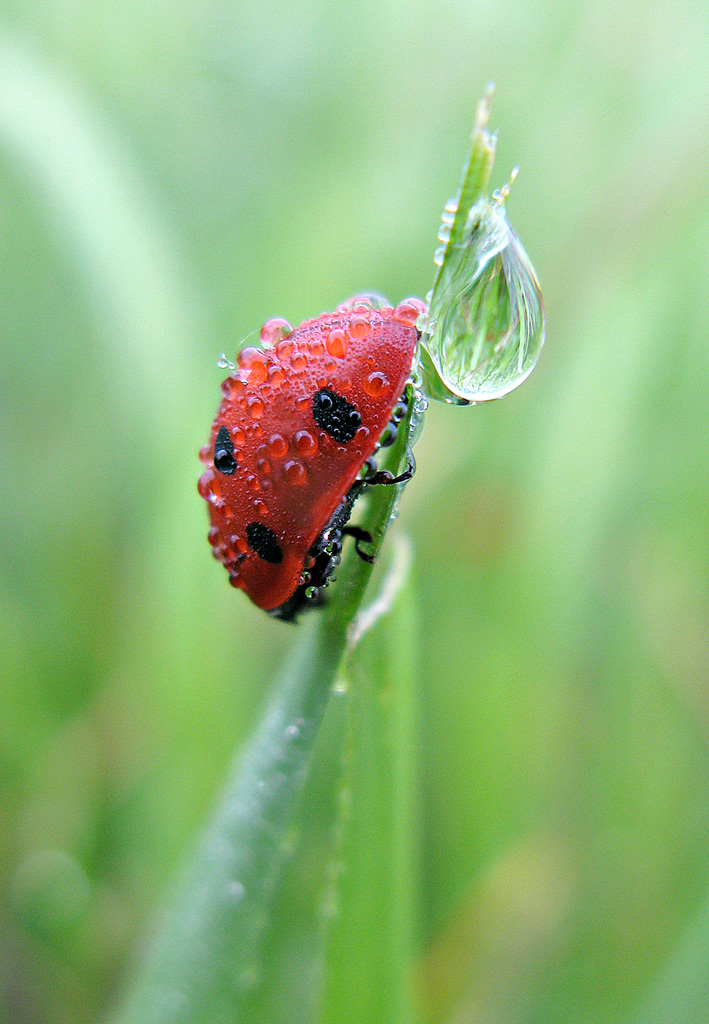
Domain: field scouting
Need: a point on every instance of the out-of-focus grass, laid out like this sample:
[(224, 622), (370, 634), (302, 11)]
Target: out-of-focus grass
[(170, 176)]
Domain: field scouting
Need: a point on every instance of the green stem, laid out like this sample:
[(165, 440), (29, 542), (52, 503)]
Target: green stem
[(476, 174), (205, 960), (371, 942)]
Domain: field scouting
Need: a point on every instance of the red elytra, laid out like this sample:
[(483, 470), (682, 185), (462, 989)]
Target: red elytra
[(297, 423)]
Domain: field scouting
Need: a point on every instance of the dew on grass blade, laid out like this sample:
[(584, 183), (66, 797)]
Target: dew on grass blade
[(486, 320), (485, 326)]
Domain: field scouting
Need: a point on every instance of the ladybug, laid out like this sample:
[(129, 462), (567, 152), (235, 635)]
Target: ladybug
[(292, 446)]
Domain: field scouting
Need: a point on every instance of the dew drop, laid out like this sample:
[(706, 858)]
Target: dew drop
[(238, 437), (295, 472), (376, 384), (277, 446), (203, 484), (486, 341), (337, 343), (276, 375), (225, 364), (304, 443), (229, 387), (408, 311), (316, 347), (247, 356), (299, 362), (256, 407), (253, 482), (360, 327), (283, 350), (205, 455), (273, 331), (209, 487), (364, 303), (263, 466), (388, 436), (252, 361)]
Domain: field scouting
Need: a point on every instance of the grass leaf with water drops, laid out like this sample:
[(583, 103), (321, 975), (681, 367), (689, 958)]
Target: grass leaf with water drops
[(207, 960)]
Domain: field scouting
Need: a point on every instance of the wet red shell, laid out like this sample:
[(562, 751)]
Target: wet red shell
[(290, 474)]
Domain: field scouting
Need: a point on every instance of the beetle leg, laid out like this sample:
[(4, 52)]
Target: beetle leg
[(359, 535), (385, 477)]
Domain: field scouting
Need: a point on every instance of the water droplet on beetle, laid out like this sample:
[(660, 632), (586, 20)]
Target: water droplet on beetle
[(360, 327), (283, 350), (376, 384), (277, 446), (295, 472), (408, 311), (273, 331), (304, 443), (256, 407), (337, 343)]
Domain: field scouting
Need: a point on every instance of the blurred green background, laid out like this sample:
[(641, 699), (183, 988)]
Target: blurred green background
[(174, 173)]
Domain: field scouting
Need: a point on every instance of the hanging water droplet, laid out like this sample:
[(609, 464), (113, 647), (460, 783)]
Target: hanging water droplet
[(225, 364), (486, 320)]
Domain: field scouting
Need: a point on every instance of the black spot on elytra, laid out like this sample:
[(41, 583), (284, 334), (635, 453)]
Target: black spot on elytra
[(224, 452), (264, 542), (335, 415)]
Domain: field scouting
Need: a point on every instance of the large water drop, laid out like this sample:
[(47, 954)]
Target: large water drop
[(486, 320)]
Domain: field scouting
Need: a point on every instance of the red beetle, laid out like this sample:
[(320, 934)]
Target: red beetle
[(298, 421)]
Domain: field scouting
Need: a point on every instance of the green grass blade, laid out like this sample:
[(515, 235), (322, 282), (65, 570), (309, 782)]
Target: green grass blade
[(205, 963), (680, 994), (368, 971)]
